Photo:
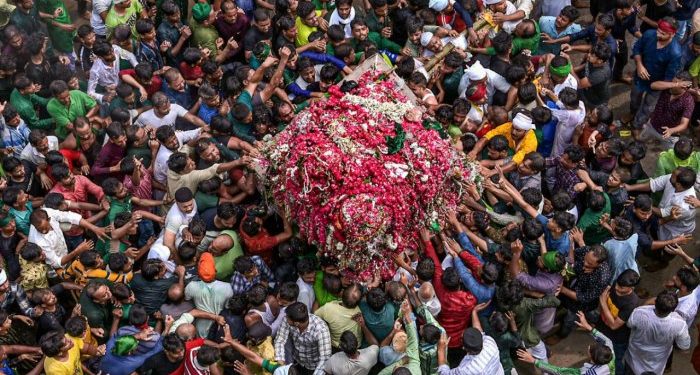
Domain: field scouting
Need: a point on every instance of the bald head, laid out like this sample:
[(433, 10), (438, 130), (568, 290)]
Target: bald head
[(221, 244), (426, 291), (176, 293), (186, 331)]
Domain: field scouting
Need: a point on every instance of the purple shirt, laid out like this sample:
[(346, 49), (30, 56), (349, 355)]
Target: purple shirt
[(236, 30), (669, 113), (108, 157), (547, 283)]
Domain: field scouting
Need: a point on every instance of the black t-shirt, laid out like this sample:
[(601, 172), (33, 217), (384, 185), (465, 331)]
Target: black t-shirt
[(498, 65), (7, 250), (158, 364), (599, 77), (253, 36), (625, 305), (51, 321), (656, 12)]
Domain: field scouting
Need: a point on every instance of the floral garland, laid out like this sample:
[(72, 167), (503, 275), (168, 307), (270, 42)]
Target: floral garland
[(359, 173)]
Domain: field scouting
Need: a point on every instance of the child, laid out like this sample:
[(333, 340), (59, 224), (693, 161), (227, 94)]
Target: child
[(53, 313), (190, 67), (125, 296), (121, 201), (211, 104), (20, 208), (419, 86), (149, 50), (505, 332), (34, 270), (569, 114), (15, 133), (299, 89), (622, 247), (617, 193), (86, 35), (328, 77), (78, 329)]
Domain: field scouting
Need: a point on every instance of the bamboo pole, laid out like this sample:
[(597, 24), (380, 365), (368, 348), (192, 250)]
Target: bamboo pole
[(478, 25)]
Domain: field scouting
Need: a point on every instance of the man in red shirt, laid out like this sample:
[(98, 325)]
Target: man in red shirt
[(256, 239)]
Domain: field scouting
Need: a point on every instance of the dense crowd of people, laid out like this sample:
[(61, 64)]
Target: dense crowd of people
[(134, 237)]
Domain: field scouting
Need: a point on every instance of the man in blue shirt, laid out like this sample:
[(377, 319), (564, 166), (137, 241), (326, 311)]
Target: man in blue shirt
[(558, 27), (601, 31), (658, 58)]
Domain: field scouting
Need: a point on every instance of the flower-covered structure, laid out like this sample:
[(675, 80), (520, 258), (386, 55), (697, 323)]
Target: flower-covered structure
[(360, 172)]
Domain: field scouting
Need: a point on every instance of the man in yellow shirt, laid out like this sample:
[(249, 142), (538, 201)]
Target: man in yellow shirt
[(63, 354), (307, 22), (520, 134)]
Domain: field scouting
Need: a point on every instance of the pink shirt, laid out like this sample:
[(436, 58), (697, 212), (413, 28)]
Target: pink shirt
[(144, 190), (82, 187)]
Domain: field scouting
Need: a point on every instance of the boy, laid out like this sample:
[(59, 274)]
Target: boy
[(569, 117), (558, 27), (149, 51), (594, 77), (15, 133), (87, 37)]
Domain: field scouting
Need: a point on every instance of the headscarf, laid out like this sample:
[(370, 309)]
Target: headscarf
[(425, 38), (201, 11), (476, 92), (666, 27), (438, 5), (206, 268), (523, 122), (549, 260), (476, 72), (345, 22), (124, 345), (560, 71)]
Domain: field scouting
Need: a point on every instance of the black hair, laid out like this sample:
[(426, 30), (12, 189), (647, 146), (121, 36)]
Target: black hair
[(685, 177), (187, 251), (515, 74), (628, 278), (509, 295), (602, 51), (257, 295), (76, 326), (289, 291), (541, 115), (688, 277), (527, 93), (532, 229), (451, 279), (144, 25), (110, 186), (499, 322), (498, 143), (606, 20), (183, 195), (348, 343), (305, 8), (683, 148), (121, 292), (138, 315), (570, 12), (191, 55), (425, 269), (297, 312), (31, 251), (52, 343), (243, 264), (172, 343), (623, 227), (666, 303), (207, 355), (569, 97), (532, 196), (643, 202), (151, 268), (502, 42), (575, 153), (596, 201), (89, 258)]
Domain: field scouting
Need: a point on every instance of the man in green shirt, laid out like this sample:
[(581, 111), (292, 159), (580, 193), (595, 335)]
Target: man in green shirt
[(526, 36), (204, 34), (589, 223), (451, 71), (24, 98), (226, 248), (361, 33), (67, 105), (61, 28), (124, 12), (682, 155)]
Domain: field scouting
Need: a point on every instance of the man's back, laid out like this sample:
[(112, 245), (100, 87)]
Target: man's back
[(652, 339)]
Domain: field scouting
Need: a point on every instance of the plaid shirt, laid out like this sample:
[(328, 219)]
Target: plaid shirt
[(17, 294), (240, 284), (564, 179), (311, 348)]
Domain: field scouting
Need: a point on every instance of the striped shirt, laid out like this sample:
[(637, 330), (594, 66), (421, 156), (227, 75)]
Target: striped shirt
[(311, 348), (486, 362)]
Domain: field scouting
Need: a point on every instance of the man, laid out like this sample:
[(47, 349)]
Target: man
[(598, 32), (232, 23), (124, 12), (351, 359), (96, 305), (180, 214), (655, 330), (67, 105), (75, 188), (677, 216), (167, 361), (177, 90), (555, 27), (261, 31), (658, 58), (477, 73), (218, 219), (257, 240), (594, 77), (108, 160), (673, 109), (182, 172), (250, 271), (165, 113), (226, 248), (24, 99), (35, 153), (63, 353), (172, 29), (339, 314), (150, 287), (521, 139), (104, 73), (46, 232), (170, 142), (11, 293), (207, 294), (310, 336), (14, 132)]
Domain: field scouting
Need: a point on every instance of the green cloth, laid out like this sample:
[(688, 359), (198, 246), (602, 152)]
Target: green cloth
[(117, 206), (451, 85), (694, 69), (132, 13), (124, 345), (143, 153), (532, 43), (61, 40), (428, 352), (224, 263), (25, 104), (380, 42), (322, 295), (412, 353), (668, 161), (507, 342), (551, 369), (380, 323), (589, 223), (204, 37), (524, 313), (373, 23), (321, 5), (201, 11), (99, 316), (205, 201), (80, 105)]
